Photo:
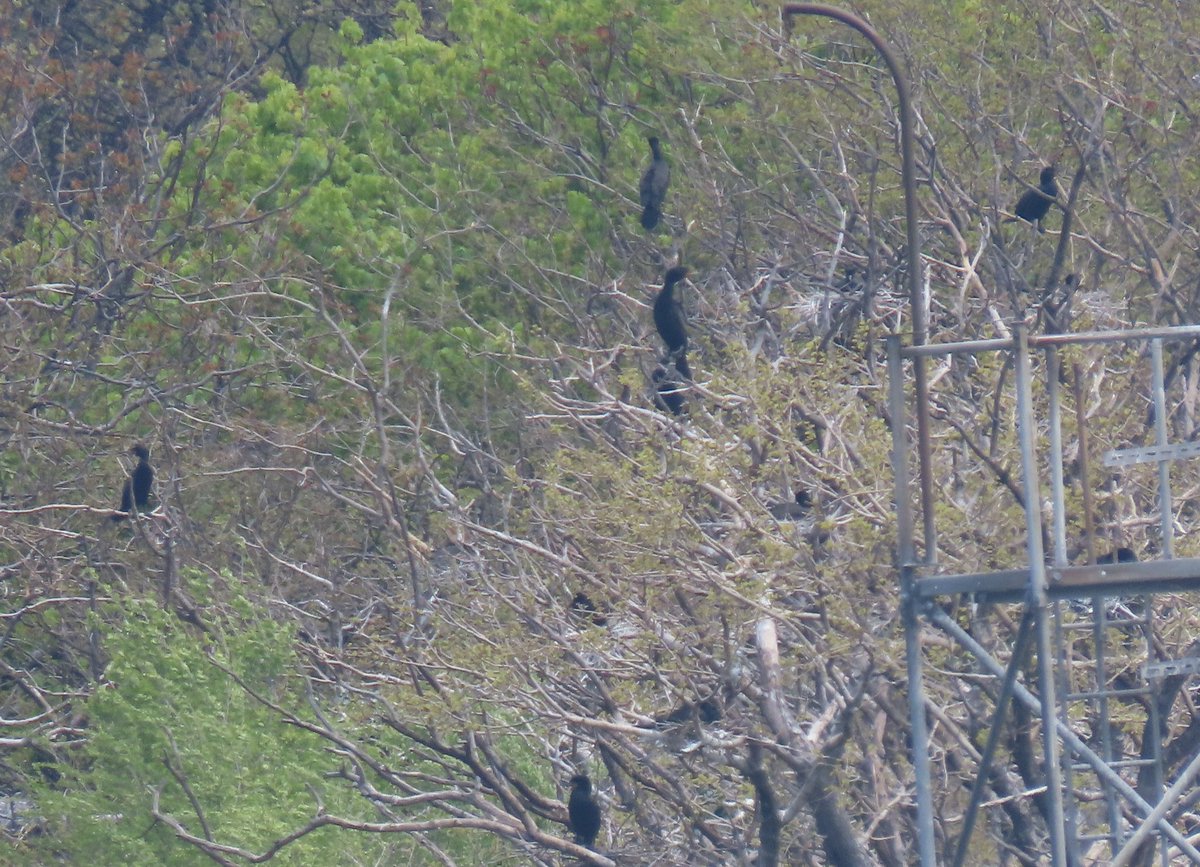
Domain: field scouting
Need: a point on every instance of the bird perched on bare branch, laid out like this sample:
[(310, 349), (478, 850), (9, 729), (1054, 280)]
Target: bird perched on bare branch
[(669, 390), (653, 189), (137, 486), (669, 320), (583, 811), (1035, 204), (1120, 555)]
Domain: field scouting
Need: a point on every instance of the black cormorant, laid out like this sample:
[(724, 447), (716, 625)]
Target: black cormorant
[(800, 506), (137, 486), (1034, 204), (582, 606), (668, 395), (706, 711), (583, 811), (668, 316), (653, 189), (1121, 555)]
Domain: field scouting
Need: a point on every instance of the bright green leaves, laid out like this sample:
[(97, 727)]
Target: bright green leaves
[(169, 720)]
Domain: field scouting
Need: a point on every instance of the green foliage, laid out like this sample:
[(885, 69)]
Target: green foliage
[(410, 282), (167, 714)]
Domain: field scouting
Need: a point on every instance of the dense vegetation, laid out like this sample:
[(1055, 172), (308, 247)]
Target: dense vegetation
[(370, 284)]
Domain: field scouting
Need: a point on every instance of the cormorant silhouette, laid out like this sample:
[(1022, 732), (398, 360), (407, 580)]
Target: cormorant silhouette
[(1056, 305), (668, 317), (800, 506), (706, 710), (137, 486), (668, 395), (583, 811), (653, 188), (1121, 555), (1034, 204), (681, 366), (582, 606)]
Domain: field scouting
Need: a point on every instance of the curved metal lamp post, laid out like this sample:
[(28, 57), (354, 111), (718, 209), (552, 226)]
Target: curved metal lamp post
[(916, 299)]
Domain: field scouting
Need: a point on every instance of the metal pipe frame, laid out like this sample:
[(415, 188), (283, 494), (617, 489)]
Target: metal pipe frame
[(1059, 542), (916, 295), (1172, 795), (1081, 750), (1167, 520), (1020, 650), (1040, 601), (909, 603), (913, 604), (996, 344)]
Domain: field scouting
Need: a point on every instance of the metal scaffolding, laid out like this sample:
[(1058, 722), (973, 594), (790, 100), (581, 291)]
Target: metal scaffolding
[(1096, 793), (1105, 795)]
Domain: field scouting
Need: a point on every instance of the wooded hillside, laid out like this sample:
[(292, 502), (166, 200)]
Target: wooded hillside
[(427, 536)]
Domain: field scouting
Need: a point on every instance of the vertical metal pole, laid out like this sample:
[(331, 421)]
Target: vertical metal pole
[(1166, 519), (916, 267), (904, 522), (1100, 646), (1053, 368), (906, 554), (1064, 656), (1062, 653), (1085, 462), (1167, 524), (1037, 575), (1099, 634), (1155, 726)]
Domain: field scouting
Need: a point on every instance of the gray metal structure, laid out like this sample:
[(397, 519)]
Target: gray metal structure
[(1104, 797), (1095, 795)]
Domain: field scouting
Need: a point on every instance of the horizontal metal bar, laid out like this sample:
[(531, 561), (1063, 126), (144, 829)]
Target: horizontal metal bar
[(1167, 332), (978, 582), (1108, 693), (1115, 624), (1122, 579), (1120, 763), (1070, 582), (963, 347), (1150, 454), (1174, 332), (1169, 667)]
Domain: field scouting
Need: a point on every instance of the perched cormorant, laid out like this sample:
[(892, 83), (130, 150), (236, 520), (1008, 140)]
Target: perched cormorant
[(1121, 555), (668, 395), (582, 606), (706, 710), (137, 486), (800, 506), (653, 189), (1034, 204), (681, 366), (1056, 305), (668, 317), (583, 811)]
